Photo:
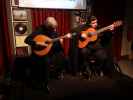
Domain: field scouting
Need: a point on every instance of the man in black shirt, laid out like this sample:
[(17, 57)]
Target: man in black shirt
[(54, 57)]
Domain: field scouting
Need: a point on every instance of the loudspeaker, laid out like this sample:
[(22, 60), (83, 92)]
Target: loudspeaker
[(22, 28)]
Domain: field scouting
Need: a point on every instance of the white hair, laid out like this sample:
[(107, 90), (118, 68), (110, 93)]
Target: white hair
[(51, 22)]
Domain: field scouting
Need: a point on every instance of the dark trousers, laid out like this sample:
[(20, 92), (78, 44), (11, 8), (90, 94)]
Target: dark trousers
[(49, 66), (103, 59), (58, 64), (39, 71)]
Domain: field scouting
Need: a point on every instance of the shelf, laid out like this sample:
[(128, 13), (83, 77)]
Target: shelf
[(14, 5), (25, 34), (20, 21)]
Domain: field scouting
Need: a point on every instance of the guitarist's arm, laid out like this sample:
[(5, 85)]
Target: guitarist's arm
[(29, 40), (68, 35), (111, 27), (61, 41)]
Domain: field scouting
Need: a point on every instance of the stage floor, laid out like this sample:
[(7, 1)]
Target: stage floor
[(76, 88)]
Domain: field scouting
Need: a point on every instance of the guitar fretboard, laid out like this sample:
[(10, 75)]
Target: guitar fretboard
[(103, 29), (58, 38), (99, 30)]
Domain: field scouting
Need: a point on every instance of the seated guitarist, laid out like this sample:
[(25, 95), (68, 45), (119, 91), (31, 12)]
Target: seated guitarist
[(95, 49), (41, 62)]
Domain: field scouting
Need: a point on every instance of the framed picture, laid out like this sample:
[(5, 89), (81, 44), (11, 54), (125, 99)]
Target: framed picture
[(20, 14)]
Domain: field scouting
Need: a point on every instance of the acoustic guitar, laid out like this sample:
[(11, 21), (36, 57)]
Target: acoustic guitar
[(91, 34), (47, 43)]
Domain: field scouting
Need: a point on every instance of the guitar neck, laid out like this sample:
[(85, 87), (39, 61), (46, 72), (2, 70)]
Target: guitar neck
[(62, 37), (116, 24), (103, 29), (58, 38)]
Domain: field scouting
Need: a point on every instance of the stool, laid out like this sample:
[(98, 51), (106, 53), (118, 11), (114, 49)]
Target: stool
[(95, 70)]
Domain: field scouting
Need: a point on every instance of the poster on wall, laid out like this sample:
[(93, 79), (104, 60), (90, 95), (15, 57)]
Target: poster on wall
[(60, 4)]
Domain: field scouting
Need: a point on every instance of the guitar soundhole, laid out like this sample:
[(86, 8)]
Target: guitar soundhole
[(47, 42), (82, 39), (89, 35), (38, 47)]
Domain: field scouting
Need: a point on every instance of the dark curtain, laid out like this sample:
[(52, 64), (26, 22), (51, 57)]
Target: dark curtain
[(6, 50), (1, 51), (62, 17)]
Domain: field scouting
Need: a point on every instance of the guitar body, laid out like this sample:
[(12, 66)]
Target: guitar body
[(90, 37), (42, 38)]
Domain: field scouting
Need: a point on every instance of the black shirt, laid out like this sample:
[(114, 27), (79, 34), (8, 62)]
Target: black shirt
[(48, 32)]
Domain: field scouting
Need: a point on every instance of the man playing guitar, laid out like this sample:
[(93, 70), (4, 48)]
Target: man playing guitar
[(46, 50), (89, 46)]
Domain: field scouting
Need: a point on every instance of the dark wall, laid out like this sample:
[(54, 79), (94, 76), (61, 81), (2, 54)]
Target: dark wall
[(129, 19), (108, 11)]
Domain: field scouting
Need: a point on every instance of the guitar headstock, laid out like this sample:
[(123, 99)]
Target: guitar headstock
[(117, 23)]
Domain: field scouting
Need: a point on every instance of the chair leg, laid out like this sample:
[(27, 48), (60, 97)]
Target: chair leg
[(117, 67), (92, 73)]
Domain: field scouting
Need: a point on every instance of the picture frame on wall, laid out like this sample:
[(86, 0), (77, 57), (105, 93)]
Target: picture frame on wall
[(20, 14)]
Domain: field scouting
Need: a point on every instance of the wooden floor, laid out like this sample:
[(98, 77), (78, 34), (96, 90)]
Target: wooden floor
[(75, 87), (126, 66)]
